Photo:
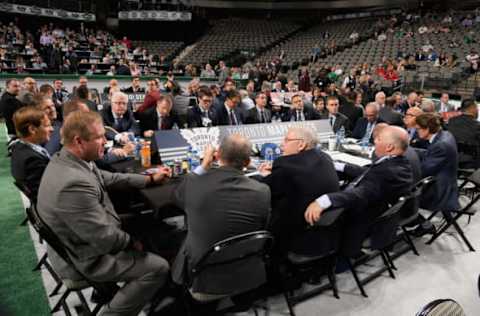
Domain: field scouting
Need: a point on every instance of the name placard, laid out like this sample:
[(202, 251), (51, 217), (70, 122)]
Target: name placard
[(174, 144)]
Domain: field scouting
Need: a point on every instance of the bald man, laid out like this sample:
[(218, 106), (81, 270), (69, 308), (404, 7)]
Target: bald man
[(372, 189), (364, 127)]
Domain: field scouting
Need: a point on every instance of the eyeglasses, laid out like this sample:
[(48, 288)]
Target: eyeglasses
[(409, 114), (286, 140)]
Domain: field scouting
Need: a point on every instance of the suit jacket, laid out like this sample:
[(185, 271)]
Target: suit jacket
[(27, 167), (194, 117), (149, 120), (223, 118), (441, 161), (352, 112), (54, 144), (449, 107), (368, 196), (361, 128), (130, 90), (465, 129), (126, 124), (9, 104), (295, 182), (78, 210), (389, 116), (340, 120), (219, 204), (253, 116), (308, 112)]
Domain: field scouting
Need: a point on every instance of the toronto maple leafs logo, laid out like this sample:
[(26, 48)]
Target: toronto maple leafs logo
[(200, 138)]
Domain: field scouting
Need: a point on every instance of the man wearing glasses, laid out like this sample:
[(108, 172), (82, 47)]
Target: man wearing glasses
[(202, 115), (120, 119)]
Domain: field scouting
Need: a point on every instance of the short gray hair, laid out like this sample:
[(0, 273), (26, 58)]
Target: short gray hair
[(427, 105), (235, 151), (119, 94), (306, 134)]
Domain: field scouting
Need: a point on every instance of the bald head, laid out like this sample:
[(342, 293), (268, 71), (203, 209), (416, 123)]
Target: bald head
[(378, 128), (391, 141), (371, 112), (235, 151)]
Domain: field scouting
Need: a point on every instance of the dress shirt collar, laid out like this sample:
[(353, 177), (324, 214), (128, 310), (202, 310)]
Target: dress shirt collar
[(432, 138)]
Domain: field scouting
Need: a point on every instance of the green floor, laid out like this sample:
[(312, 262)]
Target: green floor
[(21, 290)]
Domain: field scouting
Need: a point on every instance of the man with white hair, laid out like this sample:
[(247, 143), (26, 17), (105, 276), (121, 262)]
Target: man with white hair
[(295, 180), (427, 106), (119, 118), (380, 99)]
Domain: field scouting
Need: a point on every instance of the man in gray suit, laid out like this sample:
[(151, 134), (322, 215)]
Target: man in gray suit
[(74, 203), (219, 203)]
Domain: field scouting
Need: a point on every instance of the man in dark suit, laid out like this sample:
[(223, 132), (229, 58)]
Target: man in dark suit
[(135, 87), (298, 177), (441, 161), (202, 114), (9, 104), (298, 112), (443, 105), (337, 120), (229, 113), (259, 114), (219, 203), (373, 189), (388, 115), (410, 102), (348, 108), (466, 128), (73, 202), (160, 117), (29, 158), (364, 128), (120, 118)]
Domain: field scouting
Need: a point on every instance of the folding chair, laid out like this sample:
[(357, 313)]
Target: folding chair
[(442, 307), (382, 236), (452, 217)]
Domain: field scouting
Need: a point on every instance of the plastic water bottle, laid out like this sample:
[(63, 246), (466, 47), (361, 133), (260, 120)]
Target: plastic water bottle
[(364, 144), (269, 155), (341, 136), (189, 157), (194, 160), (136, 150)]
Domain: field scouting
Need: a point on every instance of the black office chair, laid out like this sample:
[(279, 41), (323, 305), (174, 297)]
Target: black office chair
[(409, 210), (382, 236), (72, 285), (468, 156), (452, 217), (303, 262), (243, 255), (442, 307)]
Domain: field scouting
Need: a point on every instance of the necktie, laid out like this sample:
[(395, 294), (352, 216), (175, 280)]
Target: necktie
[(262, 117), (163, 123), (299, 118), (59, 96), (331, 121), (233, 121), (368, 132), (117, 122)]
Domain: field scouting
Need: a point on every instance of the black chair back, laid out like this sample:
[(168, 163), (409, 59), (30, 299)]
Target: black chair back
[(232, 266), (442, 307), (384, 230), (469, 155), (25, 190), (475, 178), (412, 203)]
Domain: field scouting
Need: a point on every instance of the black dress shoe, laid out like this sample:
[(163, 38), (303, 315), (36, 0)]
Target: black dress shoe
[(105, 293), (421, 231)]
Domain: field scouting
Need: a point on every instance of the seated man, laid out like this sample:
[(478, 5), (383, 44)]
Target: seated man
[(135, 87), (203, 114), (295, 180), (220, 203), (466, 128), (373, 189), (259, 114), (120, 118), (78, 209), (364, 128), (298, 112), (228, 113), (337, 120), (158, 118), (29, 158)]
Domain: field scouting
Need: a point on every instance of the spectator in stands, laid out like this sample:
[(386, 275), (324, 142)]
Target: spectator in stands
[(373, 189), (213, 198), (466, 128), (29, 158), (160, 117), (290, 174), (120, 118), (229, 113), (29, 89), (474, 59), (223, 72), (9, 104), (298, 112), (364, 128), (259, 113), (208, 72), (135, 87), (92, 71), (467, 22), (78, 208), (39, 64), (291, 87)]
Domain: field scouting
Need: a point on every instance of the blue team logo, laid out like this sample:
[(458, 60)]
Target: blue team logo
[(270, 151)]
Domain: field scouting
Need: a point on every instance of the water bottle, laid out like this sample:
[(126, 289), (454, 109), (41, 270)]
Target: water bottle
[(189, 157), (136, 150), (269, 155), (194, 160), (341, 136), (364, 144)]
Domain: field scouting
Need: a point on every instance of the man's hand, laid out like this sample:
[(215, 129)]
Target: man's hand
[(265, 169), (313, 212), (129, 148), (119, 152), (148, 133), (163, 174), (208, 157)]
